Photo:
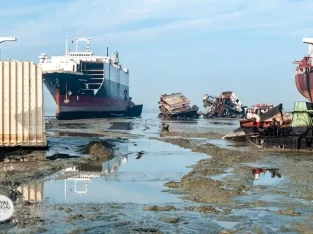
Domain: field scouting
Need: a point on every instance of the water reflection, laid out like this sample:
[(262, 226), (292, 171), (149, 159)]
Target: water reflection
[(92, 170), (125, 178), (273, 172), (32, 192), (85, 172), (266, 176)]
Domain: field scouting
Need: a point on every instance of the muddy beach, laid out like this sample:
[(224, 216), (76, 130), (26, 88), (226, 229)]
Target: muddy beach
[(127, 176)]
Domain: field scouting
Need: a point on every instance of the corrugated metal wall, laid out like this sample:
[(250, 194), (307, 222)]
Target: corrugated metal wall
[(21, 104)]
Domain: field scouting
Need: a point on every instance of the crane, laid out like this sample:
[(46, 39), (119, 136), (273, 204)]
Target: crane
[(3, 39)]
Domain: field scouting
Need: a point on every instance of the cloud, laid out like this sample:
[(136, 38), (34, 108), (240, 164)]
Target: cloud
[(40, 24)]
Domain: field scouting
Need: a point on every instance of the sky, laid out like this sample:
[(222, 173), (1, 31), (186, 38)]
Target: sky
[(192, 46)]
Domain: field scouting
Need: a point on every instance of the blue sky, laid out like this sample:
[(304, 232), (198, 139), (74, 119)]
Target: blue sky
[(192, 46)]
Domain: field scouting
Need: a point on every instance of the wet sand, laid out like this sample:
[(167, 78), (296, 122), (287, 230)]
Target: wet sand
[(130, 177)]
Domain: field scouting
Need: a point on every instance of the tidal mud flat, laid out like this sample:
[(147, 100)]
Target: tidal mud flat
[(127, 176)]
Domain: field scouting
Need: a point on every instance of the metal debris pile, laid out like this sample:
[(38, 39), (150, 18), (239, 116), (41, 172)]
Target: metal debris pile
[(227, 105), (176, 105)]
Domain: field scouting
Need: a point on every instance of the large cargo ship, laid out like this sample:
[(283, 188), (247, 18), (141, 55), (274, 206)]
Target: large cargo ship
[(84, 85)]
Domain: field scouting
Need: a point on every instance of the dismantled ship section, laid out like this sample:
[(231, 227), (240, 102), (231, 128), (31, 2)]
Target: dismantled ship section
[(227, 105), (177, 106), (284, 131), (266, 126)]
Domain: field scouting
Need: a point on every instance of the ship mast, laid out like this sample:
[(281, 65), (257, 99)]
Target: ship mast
[(66, 46), (78, 39), (309, 41)]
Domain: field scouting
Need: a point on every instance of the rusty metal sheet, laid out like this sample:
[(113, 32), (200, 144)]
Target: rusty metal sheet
[(21, 104)]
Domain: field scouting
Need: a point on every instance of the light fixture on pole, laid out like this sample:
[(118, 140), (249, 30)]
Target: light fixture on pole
[(3, 39)]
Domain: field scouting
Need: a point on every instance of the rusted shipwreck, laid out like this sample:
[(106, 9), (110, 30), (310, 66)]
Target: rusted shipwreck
[(267, 122), (177, 106), (227, 105), (278, 129)]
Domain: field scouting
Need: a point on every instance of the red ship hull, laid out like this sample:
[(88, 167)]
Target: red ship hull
[(304, 83), (88, 107), (251, 126), (304, 78)]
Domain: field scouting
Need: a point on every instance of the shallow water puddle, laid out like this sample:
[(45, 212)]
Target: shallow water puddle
[(225, 224), (123, 179), (150, 125), (266, 176), (127, 125)]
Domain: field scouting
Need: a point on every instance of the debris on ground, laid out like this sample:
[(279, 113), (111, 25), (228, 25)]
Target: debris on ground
[(165, 127), (159, 208), (171, 219), (99, 150), (68, 210), (290, 212), (73, 217), (202, 209), (139, 154)]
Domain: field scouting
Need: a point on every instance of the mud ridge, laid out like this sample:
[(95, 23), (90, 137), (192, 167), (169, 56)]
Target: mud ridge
[(198, 184)]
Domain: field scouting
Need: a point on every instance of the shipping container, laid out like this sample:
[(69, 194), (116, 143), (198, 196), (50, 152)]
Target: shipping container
[(22, 120)]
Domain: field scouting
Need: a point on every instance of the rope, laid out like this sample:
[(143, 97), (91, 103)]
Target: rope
[(254, 143)]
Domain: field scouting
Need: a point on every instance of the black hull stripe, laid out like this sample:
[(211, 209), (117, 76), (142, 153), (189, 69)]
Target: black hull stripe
[(308, 83)]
